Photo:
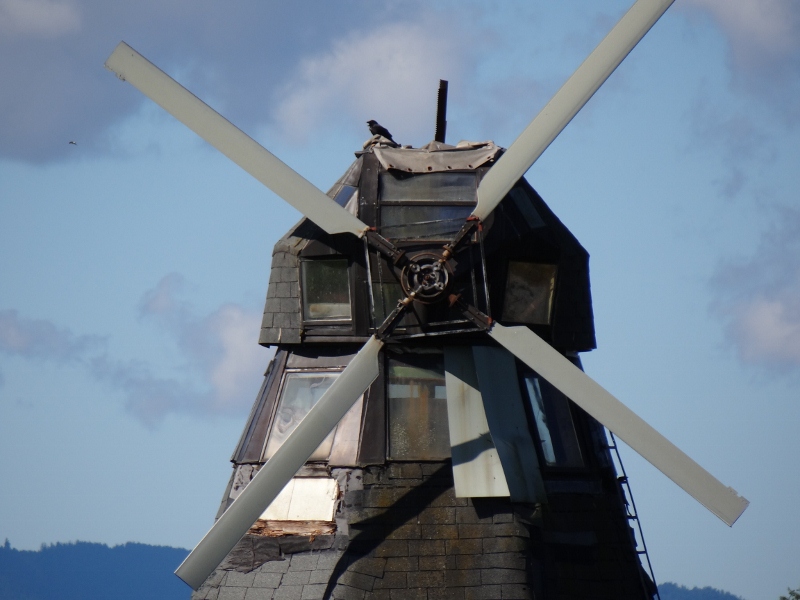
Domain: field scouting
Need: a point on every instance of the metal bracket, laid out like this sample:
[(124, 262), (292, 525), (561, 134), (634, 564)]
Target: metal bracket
[(481, 320), (385, 247), (394, 318), (463, 234)]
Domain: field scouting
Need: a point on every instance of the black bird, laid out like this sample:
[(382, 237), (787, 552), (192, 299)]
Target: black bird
[(376, 128)]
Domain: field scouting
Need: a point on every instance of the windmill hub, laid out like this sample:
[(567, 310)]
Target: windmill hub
[(427, 275)]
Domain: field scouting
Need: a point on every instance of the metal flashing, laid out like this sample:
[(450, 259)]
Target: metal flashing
[(477, 469), (304, 499), (497, 375)]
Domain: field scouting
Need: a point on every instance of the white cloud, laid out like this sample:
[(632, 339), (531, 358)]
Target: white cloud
[(736, 138), (220, 350), (759, 297), (389, 74), (764, 45), (241, 363), (149, 397), (222, 368), (42, 339), (758, 29), (48, 18), (161, 300), (767, 331), (235, 54)]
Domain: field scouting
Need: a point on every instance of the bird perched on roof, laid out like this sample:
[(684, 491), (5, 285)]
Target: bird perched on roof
[(376, 128)]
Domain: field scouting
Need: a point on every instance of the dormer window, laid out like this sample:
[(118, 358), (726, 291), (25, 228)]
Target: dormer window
[(301, 391), (530, 288), (326, 290)]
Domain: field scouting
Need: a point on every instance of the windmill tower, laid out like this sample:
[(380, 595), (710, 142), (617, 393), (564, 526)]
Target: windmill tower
[(425, 429)]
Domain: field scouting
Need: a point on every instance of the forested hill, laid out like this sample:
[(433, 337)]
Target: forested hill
[(670, 591), (86, 571)]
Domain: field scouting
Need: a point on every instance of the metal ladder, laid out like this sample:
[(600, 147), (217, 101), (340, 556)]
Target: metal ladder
[(630, 509)]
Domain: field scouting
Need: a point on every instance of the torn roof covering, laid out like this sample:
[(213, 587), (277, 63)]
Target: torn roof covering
[(437, 157), (432, 158)]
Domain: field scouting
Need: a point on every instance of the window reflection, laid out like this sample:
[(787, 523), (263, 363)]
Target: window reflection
[(326, 290), (301, 391), (423, 222), (417, 408), (425, 206), (530, 288), (396, 186), (343, 195), (559, 442)]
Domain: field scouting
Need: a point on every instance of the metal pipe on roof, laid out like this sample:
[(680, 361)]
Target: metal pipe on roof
[(441, 112)]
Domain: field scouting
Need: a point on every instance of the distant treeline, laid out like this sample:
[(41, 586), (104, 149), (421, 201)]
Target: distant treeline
[(86, 571), (670, 591)]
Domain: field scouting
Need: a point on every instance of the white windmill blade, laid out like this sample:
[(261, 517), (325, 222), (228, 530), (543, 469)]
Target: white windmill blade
[(132, 67), (572, 96), (278, 470), (723, 501)]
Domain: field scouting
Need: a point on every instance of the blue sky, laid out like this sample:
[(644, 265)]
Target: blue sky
[(134, 263)]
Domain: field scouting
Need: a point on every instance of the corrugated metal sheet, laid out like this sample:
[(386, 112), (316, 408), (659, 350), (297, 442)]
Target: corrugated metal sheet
[(477, 470), (508, 423)]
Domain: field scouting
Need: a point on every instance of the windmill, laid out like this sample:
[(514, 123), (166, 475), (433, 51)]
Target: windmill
[(426, 424)]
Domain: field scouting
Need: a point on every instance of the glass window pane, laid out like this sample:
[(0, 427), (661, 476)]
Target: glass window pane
[(417, 396), (529, 292), (422, 222), (554, 424), (344, 195), (300, 392), (537, 404), (326, 290), (386, 297), (396, 186)]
